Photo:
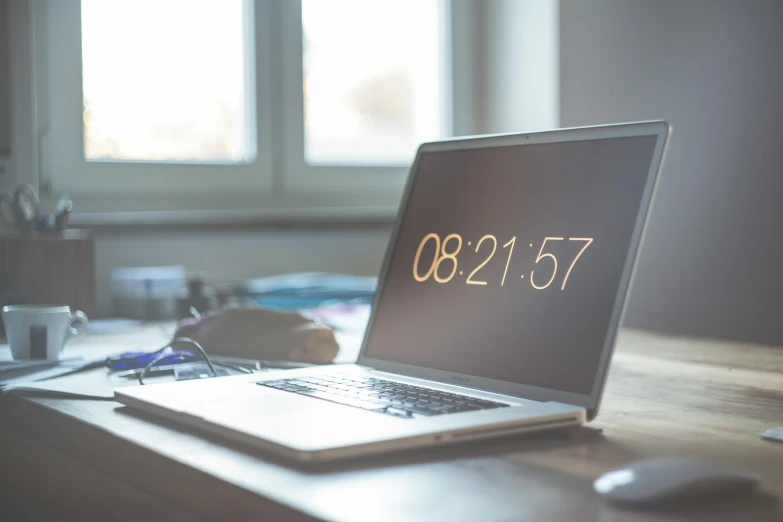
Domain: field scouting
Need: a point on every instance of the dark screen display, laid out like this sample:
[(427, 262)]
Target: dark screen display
[(508, 260)]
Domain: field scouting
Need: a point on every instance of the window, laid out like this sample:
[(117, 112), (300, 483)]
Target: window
[(371, 103), (172, 95), (192, 104)]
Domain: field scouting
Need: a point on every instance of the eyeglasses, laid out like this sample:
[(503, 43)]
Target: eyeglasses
[(141, 364), (168, 355)]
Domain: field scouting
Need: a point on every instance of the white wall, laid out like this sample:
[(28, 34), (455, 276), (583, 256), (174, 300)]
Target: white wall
[(713, 262), (518, 65)]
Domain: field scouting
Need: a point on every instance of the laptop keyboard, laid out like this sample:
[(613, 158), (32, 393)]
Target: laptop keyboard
[(382, 396)]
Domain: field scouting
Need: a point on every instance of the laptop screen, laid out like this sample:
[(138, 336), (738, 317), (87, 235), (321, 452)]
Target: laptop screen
[(508, 260)]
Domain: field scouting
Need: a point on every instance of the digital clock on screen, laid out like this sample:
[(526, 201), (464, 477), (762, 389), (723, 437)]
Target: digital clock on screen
[(445, 264)]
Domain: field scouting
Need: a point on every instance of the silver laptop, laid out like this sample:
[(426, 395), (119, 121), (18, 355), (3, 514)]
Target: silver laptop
[(496, 312)]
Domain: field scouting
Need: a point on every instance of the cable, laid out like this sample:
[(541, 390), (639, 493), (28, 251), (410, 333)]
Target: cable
[(164, 356), (188, 340)]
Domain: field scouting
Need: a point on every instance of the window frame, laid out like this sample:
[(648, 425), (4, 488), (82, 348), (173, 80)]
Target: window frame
[(278, 177)]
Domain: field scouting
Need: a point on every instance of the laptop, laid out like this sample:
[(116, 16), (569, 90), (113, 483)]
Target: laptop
[(496, 312)]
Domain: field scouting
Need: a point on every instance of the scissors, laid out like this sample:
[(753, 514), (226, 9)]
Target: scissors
[(19, 209)]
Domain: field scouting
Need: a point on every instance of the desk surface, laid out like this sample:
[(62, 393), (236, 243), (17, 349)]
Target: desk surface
[(93, 460)]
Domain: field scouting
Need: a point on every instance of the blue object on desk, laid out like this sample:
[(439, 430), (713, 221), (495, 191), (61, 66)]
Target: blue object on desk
[(307, 290), (165, 355), (138, 360)]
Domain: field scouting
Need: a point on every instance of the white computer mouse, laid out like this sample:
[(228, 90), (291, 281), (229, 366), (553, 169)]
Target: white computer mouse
[(672, 479)]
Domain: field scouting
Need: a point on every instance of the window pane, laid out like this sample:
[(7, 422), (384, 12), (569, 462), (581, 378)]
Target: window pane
[(164, 80), (372, 79)]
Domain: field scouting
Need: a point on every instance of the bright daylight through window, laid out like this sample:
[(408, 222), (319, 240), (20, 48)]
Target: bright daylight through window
[(372, 79), (164, 80), (167, 81)]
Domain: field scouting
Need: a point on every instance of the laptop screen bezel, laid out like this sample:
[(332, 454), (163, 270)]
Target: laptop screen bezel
[(591, 401)]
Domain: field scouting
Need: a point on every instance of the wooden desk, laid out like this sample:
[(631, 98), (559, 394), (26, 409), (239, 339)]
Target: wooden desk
[(92, 460)]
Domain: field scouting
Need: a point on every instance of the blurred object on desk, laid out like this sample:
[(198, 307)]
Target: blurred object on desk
[(198, 297), (48, 269), (343, 317), (306, 290), (255, 333), (148, 293), (775, 434), (113, 325), (340, 301)]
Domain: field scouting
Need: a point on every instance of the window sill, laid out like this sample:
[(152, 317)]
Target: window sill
[(210, 220)]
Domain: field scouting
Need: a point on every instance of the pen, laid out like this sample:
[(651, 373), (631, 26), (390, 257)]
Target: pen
[(152, 372)]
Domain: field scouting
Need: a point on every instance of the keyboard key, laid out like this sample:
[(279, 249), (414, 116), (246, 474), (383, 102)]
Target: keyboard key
[(397, 412), (426, 412)]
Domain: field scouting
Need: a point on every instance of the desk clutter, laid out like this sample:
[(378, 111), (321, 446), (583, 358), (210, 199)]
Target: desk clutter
[(24, 212), (207, 341), (95, 371), (169, 292)]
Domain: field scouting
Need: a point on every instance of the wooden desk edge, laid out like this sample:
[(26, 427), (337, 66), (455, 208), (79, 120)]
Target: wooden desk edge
[(134, 464)]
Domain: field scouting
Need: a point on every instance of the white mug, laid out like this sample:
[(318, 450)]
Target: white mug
[(39, 332)]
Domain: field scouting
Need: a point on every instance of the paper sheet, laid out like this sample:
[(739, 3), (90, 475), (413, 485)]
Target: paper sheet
[(92, 384), (14, 372)]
